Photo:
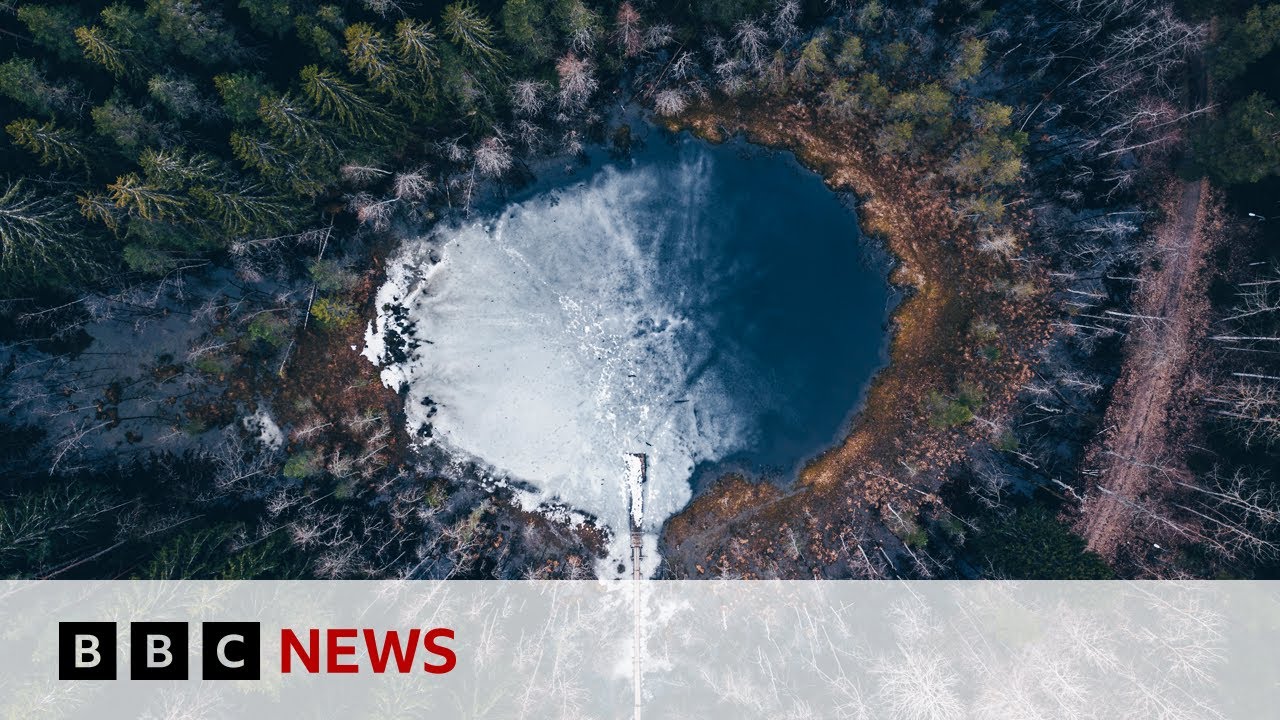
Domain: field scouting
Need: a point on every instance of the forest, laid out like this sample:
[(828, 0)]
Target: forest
[(1080, 197)]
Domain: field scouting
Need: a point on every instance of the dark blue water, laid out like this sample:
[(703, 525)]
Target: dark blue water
[(801, 324)]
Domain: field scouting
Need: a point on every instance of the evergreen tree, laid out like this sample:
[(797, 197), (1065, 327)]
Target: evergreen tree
[(146, 200), (472, 33), (195, 30), (194, 555), (273, 17), (524, 22), (38, 528), (125, 124), (176, 169), (297, 128), (53, 26), (285, 168), (851, 55), (405, 71), (416, 42), (59, 147), (1029, 544), (338, 99), (969, 60), (241, 211), (1244, 41), (242, 95), (813, 60), (25, 82), (180, 97), (321, 33), (1243, 145), (102, 49)]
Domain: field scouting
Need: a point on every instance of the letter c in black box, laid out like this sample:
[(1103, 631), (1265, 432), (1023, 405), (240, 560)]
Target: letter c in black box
[(232, 650), (158, 651), (86, 651)]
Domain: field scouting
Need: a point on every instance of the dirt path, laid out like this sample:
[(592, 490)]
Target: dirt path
[(1135, 452)]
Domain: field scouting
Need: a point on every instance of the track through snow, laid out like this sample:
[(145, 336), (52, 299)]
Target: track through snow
[(633, 312)]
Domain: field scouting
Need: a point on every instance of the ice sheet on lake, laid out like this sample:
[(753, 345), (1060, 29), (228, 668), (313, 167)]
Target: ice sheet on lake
[(556, 338)]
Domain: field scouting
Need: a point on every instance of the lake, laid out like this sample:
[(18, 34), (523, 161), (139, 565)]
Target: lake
[(709, 306)]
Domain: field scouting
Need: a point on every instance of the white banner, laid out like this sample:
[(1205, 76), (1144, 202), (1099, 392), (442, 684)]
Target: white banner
[(875, 650)]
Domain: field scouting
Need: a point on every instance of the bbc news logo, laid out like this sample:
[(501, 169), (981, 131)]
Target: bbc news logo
[(233, 651), (160, 651)]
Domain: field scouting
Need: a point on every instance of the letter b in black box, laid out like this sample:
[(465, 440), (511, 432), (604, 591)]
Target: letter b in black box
[(232, 650), (86, 651), (158, 651)]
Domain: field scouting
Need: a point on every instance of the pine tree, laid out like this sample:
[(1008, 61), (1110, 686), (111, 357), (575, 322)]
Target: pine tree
[(126, 124), (147, 201), (180, 97), (24, 81), (60, 147), (273, 17), (285, 168), (53, 26), (176, 169), (851, 56), (338, 99), (1244, 41), (472, 32), (416, 43), (102, 50), (296, 127), (265, 156), (1244, 145), (969, 60), (322, 32), (369, 54), (196, 555), (525, 24), (98, 207), (242, 95), (241, 211), (813, 60), (195, 30), (406, 72)]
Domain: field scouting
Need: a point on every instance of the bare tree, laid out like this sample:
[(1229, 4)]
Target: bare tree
[(577, 82), (492, 156), (413, 185), (528, 96), (752, 40), (1252, 406), (629, 34), (669, 102)]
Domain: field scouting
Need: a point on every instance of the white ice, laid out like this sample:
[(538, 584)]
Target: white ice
[(558, 337)]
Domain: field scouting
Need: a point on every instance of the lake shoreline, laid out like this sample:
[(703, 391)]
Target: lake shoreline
[(855, 500)]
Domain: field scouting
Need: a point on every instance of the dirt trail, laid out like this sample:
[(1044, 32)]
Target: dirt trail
[(1134, 452)]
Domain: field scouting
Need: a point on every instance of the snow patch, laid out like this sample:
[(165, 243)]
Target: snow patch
[(264, 429)]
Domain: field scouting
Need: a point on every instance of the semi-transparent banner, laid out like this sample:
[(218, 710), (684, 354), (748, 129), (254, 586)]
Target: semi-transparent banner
[(875, 650)]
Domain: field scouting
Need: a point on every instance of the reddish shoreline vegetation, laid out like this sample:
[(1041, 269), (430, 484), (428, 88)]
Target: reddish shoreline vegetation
[(1079, 199), (869, 491)]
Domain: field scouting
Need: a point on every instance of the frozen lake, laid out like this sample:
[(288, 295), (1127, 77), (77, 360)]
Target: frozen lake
[(709, 306)]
